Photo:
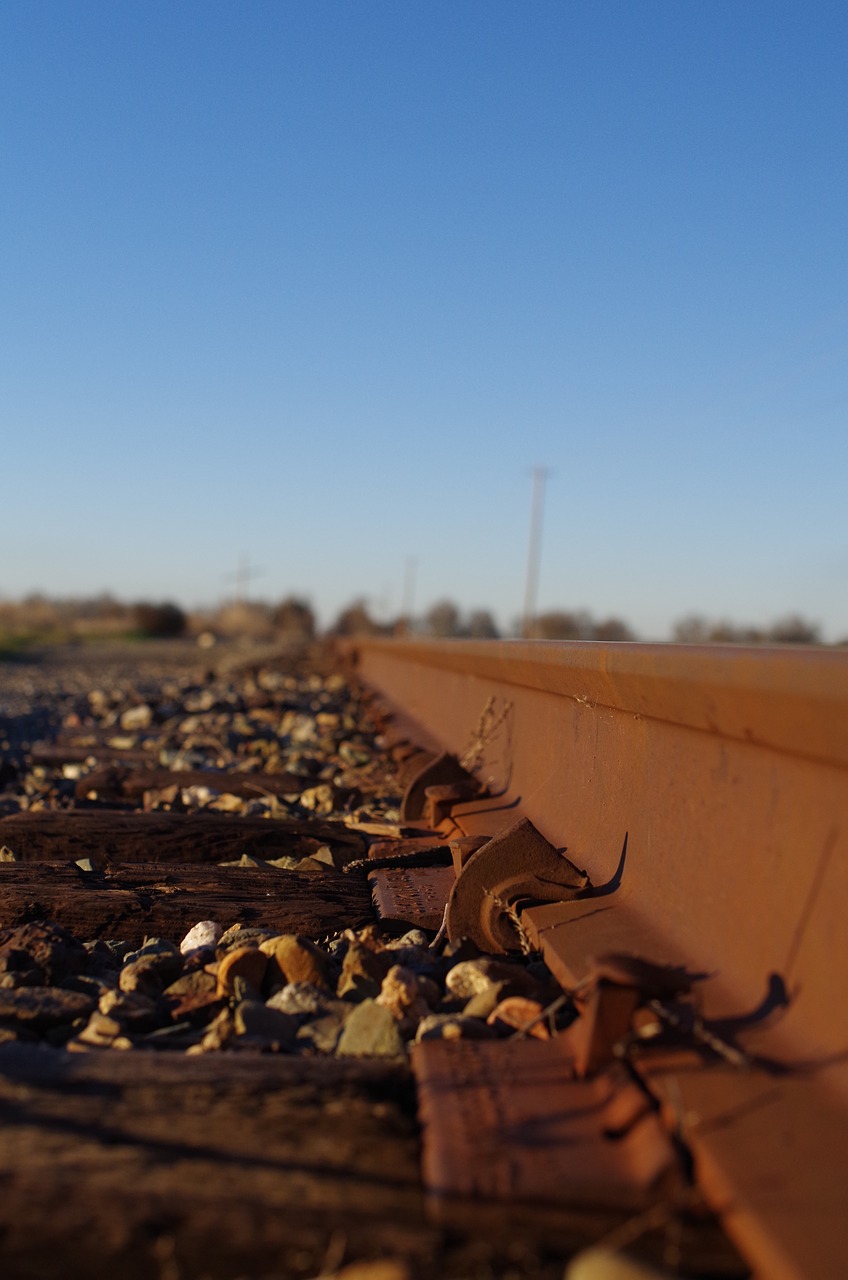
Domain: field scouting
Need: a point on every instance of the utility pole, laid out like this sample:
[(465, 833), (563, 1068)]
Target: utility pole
[(534, 554), (242, 577), (409, 589)]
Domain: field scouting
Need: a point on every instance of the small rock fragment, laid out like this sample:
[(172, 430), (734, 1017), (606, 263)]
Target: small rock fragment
[(608, 1264), (516, 1013), (239, 935), (206, 933), (41, 1007), (412, 938), (196, 983), (160, 955), (100, 1031), (132, 1009), (295, 959), (255, 1020), (140, 717), (40, 953), (379, 1269), (453, 1026), (218, 1035), (481, 1005), (298, 998), (470, 977), (370, 1031), (322, 1034), (363, 971), (247, 963), (144, 976), (401, 995)]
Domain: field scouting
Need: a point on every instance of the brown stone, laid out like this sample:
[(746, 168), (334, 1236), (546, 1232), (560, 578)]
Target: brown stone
[(247, 963), (144, 975), (197, 983), (41, 1007), (515, 1014), (133, 1009), (363, 971), (40, 953), (295, 959)]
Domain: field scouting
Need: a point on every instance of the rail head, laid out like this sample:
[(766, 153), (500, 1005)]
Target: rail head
[(789, 699)]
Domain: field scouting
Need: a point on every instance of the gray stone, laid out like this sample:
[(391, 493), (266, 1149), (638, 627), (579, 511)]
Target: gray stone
[(132, 1009), (370, 1031), (254, 1019), (481, 1005), (420, 960), (322, 1034), (299, 998), (239, 936), (412, 938), (158, 955)]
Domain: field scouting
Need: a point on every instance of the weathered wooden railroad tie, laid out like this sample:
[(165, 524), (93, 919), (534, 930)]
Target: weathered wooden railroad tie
[(581, 1063)]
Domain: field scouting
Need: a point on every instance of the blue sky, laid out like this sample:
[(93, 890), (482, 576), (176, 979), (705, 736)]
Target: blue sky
[(319, 283)]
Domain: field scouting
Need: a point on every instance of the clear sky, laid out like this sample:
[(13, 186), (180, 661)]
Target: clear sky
[(320, 283)]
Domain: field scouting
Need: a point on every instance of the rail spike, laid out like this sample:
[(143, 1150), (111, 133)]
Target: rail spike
[(510, 871), (439, 771)]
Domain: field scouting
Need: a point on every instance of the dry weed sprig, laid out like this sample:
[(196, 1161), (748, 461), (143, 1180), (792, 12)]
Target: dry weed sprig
[(487, 726)]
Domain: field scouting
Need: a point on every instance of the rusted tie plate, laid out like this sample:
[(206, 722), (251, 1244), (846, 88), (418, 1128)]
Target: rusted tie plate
[(416, 893), (504, 1121)]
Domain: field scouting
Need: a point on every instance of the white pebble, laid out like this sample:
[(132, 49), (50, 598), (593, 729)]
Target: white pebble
[(204, 934)]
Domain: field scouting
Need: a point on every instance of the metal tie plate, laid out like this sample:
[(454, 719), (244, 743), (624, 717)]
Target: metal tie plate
[(416, 897), (504, 1121)]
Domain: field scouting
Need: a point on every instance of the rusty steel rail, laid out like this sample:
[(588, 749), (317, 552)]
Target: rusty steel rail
[(705, 792)]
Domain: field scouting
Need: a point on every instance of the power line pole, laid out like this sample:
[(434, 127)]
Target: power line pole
[(242, 577), (534, 554), (409, 588)]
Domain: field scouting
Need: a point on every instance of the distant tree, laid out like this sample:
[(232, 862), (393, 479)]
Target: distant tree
[(612, 629), (725, 632), (482, 626), (102, 606), (692, 629), (248, 619), (790, 630), (443, 620), (795, 630), (699, 630), (159, 620), (355, 620), (561, 625), (294, 617)]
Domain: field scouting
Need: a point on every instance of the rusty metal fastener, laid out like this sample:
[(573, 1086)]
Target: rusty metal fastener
[(441, 799), (514, 868), (443, 770)]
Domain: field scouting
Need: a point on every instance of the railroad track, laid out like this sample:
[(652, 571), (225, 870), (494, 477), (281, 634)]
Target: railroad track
[(662, 827)]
